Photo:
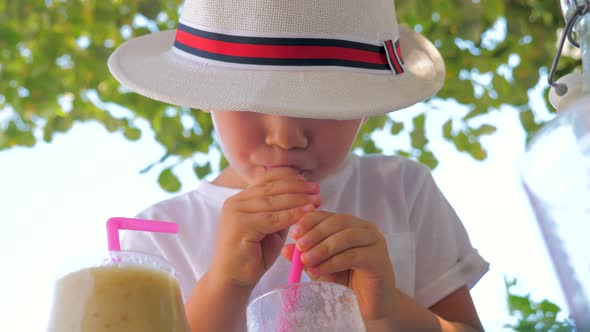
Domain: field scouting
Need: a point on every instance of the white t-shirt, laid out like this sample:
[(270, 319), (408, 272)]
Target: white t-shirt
[(428, 245)]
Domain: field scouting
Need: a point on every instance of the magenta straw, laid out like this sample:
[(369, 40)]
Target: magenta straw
[(117, 223), (291, 298), (296, 267)]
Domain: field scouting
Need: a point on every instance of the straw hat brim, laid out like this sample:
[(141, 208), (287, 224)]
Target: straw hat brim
[(148, 66)]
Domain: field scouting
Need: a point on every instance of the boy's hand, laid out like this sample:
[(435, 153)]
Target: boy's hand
[(349, 251), (253, 225)]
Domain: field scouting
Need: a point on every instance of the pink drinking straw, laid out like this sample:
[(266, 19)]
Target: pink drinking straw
[(296, 267), (117, 223), (291, 297), (294, 278)]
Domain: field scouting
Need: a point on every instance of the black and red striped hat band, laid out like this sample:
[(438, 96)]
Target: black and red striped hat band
[(289, 52)]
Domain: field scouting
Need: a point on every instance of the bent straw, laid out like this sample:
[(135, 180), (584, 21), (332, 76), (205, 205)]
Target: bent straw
[(116, 223)]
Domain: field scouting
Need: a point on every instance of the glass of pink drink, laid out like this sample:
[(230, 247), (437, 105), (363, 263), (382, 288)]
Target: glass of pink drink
[(306, 307)]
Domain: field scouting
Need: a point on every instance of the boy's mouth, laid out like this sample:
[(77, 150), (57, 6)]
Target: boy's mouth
[(299, 170)]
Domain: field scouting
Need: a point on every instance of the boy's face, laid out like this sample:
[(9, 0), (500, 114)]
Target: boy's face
[(254, 142)]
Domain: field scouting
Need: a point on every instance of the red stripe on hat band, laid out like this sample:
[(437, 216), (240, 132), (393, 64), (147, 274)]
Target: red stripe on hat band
[(398, 68), (398, 49), (279, 51)]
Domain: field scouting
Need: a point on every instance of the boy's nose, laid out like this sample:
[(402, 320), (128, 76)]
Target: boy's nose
[(285, 132)]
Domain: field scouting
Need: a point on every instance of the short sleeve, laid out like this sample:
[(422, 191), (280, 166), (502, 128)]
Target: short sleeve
[(445, 258), (163, 245), (142, 241)]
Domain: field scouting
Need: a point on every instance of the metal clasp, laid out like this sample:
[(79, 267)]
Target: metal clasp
[(581, 10)]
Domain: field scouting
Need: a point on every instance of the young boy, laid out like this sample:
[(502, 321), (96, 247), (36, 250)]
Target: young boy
[(288, 85)]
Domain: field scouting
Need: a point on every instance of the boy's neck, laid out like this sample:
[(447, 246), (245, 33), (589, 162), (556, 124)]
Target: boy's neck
[(229, 178)]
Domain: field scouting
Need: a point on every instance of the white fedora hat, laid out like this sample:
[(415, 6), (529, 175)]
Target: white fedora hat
[(330, 59)]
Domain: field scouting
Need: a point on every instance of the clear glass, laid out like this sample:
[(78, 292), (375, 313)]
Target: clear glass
[(306, 307), (556, 177), (117, 291)]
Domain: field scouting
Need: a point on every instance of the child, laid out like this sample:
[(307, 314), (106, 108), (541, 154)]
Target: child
[(288, 85)]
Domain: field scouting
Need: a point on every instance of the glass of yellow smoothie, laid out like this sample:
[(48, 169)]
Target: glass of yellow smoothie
[(118, 291)]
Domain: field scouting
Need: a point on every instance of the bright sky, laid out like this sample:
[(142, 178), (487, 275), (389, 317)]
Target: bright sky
[(55, 199)]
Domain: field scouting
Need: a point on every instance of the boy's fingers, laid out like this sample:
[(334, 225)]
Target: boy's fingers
[(309, 221), (338, 278), (338, 243), (283, 186), (272, 222), (358, 258), (277, 202), (287, 251), (341, 278), (317, 230), (273, 174)]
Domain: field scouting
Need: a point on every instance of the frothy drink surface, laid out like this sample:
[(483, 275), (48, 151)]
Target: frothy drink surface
[(117, 299)]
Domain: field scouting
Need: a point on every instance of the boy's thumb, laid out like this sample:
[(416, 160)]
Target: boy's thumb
[(287, 251)]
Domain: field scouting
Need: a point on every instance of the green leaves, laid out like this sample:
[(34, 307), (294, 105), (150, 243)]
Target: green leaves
[(468, 139), (532, 315), (56, 124), (484, 129), (169, 181), (418, 134), (427, 158), (132, 134), (364, 139), (527, 119), (202, 170), (448, 129), (419, 142), (53, 49), (396, 127), (12, 135)]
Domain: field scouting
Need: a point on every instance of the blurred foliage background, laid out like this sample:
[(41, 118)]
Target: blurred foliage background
[(53, 74)]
